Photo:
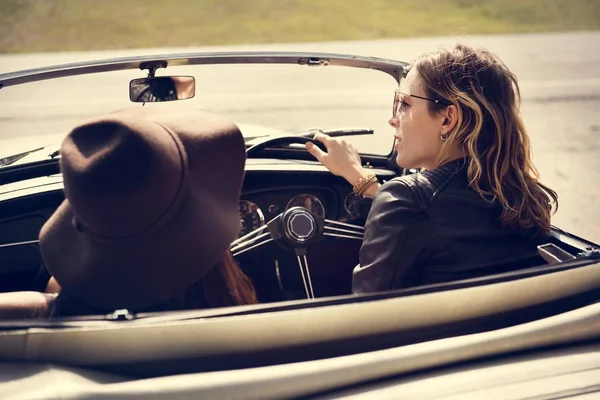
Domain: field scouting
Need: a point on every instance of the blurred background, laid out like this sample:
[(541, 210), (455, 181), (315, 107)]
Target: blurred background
[(66, 25), (552, 45)]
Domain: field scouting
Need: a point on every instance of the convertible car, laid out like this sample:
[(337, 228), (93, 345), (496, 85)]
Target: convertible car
[(532, 331)]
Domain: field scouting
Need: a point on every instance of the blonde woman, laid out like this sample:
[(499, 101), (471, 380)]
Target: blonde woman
[(477, 206)]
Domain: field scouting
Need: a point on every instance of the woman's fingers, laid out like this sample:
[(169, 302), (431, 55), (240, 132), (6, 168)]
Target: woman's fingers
[(315, 151), (323, 138), (340, 157)]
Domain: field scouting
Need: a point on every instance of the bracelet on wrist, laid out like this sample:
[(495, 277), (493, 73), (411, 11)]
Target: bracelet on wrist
[(364, 183)]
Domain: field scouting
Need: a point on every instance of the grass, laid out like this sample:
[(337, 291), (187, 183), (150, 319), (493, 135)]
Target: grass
[(64, 25)]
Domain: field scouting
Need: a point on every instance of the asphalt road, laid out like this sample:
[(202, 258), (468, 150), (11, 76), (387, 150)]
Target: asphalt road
[(559, 76)]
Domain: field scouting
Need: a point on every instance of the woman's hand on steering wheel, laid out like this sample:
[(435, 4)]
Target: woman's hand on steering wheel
[(341, 158)]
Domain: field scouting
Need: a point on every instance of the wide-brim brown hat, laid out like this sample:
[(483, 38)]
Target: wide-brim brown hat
[(151, 205)]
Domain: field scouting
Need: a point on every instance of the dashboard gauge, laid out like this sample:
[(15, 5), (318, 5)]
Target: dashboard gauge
[(251, 217), (307, 201), (351, 205)]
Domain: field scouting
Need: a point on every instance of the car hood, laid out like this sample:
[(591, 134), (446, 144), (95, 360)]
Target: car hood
[(36, 148)]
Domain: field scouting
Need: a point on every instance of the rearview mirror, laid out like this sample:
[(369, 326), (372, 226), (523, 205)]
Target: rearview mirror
[(162, 88)]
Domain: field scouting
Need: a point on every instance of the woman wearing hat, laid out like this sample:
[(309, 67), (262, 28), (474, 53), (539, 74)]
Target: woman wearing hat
[(150, 211)]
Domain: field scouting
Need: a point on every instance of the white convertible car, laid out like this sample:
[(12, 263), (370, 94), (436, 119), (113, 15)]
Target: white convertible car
[(532, 333)]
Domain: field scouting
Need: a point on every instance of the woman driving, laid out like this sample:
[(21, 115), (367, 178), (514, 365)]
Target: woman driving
[(477, 207)]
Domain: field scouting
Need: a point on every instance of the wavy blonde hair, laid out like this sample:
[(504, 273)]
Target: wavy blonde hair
[(490, 132)]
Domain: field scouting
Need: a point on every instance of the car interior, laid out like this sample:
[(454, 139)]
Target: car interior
[(271, 186), (300, 235)]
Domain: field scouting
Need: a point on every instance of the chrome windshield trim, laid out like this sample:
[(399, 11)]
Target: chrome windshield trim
[(397, 69)]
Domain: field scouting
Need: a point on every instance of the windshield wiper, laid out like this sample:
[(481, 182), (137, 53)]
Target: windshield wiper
[(16, 157), (13, 158)]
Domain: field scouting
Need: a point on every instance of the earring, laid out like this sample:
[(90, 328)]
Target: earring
[(443, 137)]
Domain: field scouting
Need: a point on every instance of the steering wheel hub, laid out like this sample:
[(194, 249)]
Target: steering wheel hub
[(300, 225)]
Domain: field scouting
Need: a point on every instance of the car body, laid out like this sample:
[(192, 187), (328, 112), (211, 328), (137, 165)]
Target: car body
[(308, 337)]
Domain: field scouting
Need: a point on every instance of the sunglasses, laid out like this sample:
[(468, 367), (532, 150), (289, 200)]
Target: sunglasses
[(397, 108)]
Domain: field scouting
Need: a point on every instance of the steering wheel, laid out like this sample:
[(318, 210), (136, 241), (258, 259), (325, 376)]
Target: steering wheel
[(252, 151), (296, 229)]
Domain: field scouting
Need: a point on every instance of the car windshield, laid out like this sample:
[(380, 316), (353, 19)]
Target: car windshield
[(264, 99)]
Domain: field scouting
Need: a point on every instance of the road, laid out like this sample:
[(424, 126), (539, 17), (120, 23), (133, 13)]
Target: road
[(559, 76)]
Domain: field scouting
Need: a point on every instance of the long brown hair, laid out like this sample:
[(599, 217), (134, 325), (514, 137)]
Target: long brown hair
[(490, 132), (224, 285)]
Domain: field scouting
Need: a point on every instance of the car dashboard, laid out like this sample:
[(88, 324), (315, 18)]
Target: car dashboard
[(270, 187)]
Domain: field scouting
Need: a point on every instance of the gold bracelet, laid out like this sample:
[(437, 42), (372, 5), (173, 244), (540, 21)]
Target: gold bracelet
[(367, 186), (361, 181), (364, 183)]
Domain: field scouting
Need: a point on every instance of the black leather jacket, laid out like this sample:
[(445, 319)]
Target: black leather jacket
[(431, 227)]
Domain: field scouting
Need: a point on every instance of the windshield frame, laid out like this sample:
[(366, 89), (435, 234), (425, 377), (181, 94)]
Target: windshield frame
[(396, 69)]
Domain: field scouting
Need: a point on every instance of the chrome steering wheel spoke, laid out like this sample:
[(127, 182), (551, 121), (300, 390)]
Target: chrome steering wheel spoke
[(343, 230), (305, 273), (250, 241)]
